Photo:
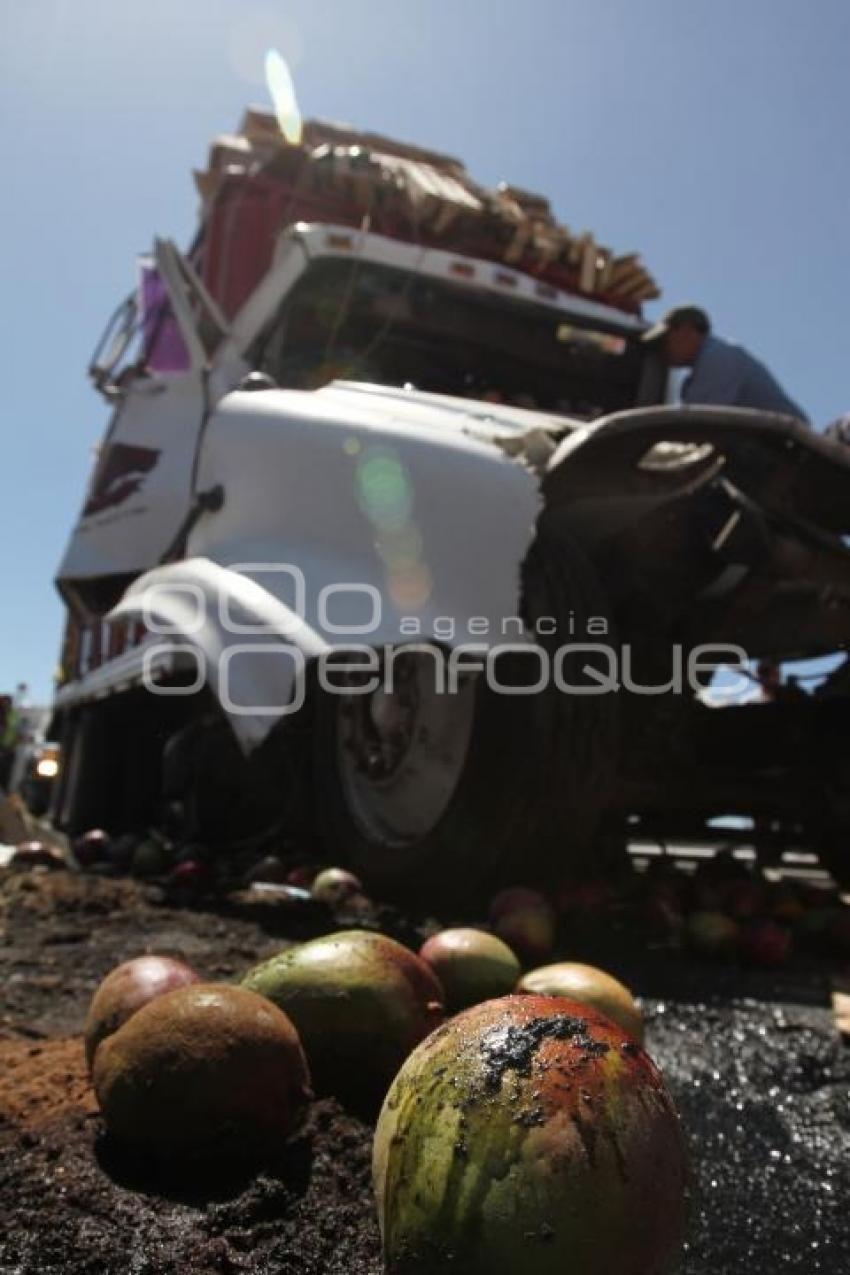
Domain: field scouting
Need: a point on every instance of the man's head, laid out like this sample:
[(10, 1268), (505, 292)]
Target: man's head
[(680, 333)]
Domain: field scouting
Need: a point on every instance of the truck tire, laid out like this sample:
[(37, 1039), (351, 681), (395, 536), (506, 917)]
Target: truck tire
[(213, 794), (581, 757), (435, 798)]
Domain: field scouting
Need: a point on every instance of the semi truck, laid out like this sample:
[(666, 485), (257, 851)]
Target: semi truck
[(395, 544)]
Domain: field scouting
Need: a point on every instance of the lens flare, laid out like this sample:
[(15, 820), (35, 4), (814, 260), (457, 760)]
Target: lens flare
[(282, 93), (400, 547), (385, 494), (384, 491), (409, 587)]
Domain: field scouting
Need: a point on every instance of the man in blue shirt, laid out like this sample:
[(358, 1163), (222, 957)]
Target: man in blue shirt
[(722, 373)]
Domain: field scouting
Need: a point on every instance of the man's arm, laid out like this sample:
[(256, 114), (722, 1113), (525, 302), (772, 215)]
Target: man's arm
[(717, 377)]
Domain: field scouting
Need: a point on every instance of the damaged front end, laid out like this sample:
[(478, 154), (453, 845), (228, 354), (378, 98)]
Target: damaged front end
[(716, 528)]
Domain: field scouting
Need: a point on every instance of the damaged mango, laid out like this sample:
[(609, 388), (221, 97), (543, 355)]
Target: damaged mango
[(529, 1133)]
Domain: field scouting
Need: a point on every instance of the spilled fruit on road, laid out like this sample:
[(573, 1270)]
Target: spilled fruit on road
[(92, 847), (712, 934), (472, 966), (589, 986), (360, 1002), (190, 877), (149, 858), (333, 886), (126, 989), (515, 898), (529, 1134), (525, 920), (203, 1070), (763, 942)]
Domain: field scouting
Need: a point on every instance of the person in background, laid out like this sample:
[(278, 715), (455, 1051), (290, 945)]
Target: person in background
[(722, 374)]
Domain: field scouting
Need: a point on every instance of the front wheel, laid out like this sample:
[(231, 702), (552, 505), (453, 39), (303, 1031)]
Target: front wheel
[(435, 796), (419, 790)]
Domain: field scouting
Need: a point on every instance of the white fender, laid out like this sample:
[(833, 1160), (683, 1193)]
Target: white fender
[(248, 646)]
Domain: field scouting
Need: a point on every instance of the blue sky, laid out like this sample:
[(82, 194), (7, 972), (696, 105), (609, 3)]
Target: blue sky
[(710, 136)]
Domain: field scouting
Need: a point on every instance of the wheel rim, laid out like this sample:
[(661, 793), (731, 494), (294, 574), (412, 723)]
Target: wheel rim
[(400, 752)]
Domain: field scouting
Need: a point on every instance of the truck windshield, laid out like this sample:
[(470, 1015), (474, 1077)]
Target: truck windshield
[(362, 321)]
